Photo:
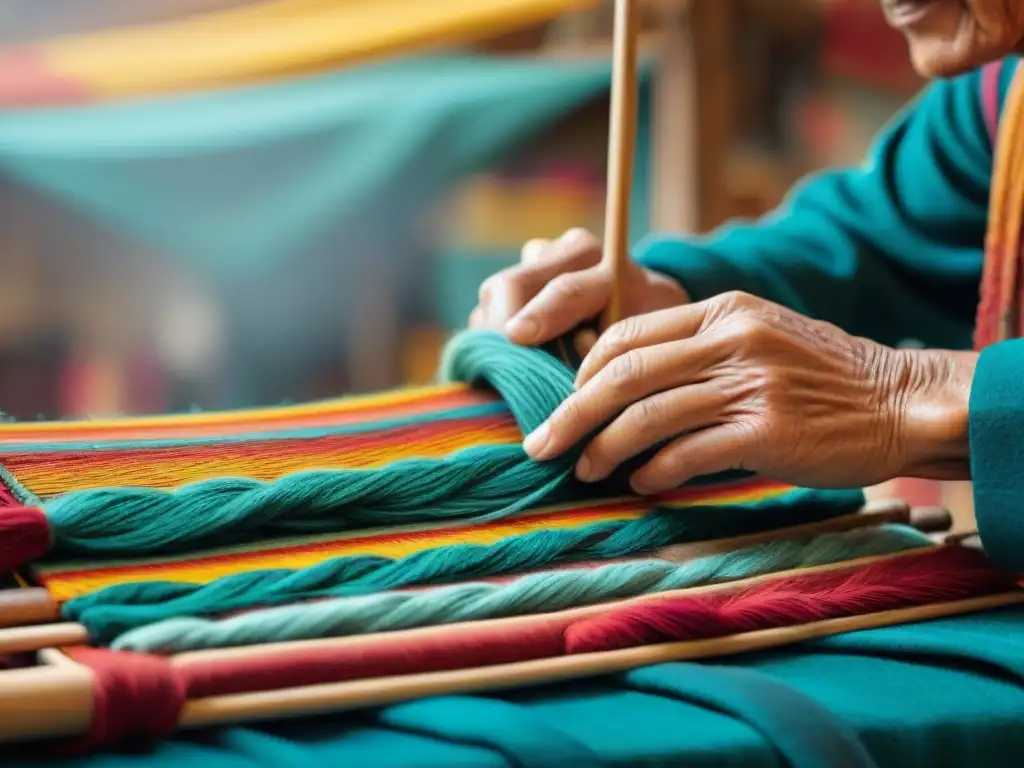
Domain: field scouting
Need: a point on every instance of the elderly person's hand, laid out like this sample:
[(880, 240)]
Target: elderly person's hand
[(559, 285), (736, 382)]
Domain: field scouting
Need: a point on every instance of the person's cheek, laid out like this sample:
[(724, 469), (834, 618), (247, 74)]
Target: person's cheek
[(952, 38)]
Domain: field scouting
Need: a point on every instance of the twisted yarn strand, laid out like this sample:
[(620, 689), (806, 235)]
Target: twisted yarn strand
[(535, 593), (114, 610), (482, 483)]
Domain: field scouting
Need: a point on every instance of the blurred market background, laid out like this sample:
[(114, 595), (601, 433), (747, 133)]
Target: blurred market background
[(224, 203)]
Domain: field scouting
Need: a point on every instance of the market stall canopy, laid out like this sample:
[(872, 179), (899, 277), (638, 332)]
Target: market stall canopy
[(249, 176), (254, 43)]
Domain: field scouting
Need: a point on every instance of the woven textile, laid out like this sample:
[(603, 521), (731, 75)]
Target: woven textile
[(42, 460)]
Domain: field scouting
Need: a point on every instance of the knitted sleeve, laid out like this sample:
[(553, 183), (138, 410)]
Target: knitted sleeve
[(891, 249), (997, 451)]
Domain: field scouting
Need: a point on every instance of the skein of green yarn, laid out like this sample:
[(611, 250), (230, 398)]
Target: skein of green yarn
[(481, 483)]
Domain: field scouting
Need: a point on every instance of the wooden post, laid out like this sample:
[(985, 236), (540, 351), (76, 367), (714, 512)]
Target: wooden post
[(693, 115)]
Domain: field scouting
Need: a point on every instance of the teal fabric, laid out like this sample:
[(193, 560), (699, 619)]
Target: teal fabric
[(930, 695), (890, 249), (803, 734), (246, 178), (997, 451)]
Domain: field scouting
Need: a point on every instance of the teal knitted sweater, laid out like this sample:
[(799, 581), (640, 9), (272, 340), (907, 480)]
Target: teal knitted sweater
[(893, 250)]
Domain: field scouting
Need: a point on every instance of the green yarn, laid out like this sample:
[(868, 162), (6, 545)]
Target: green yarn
[(111, 611), (535, 593), (480, 483)]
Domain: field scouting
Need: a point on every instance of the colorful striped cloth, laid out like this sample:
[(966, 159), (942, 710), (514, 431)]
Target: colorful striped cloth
[(41, 460)]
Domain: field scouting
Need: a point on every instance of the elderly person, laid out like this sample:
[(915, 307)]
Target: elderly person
[(772, 346)]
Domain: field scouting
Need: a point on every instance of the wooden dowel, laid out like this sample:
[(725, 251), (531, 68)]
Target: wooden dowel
[(931, 519), (33, 605), (45, 702), (621, 152), (24, 639), (876, 513)]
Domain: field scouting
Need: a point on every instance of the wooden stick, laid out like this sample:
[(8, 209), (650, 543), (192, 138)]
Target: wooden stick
[(880, 512), (25, 639), (621, 152), (64, 694), (47, 701), (31, 605), (32, 638)]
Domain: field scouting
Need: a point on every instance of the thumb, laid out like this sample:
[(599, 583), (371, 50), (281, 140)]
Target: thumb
[(566, 302)]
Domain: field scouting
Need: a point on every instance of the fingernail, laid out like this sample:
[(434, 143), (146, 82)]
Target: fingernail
[(523, 328), (536, 443), (585, 470), (640, 488)]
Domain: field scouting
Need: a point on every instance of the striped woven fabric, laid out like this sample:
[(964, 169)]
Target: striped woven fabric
[(40, 460)]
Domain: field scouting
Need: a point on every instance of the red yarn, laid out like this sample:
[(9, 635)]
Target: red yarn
[(24, 536), (137, 698), (949, 573), (462, 647), (6, 497)]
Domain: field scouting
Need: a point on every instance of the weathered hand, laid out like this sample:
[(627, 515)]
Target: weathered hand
[(737, 382), (558, 285)]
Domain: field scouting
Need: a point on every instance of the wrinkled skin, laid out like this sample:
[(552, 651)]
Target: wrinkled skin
[(737, 382)]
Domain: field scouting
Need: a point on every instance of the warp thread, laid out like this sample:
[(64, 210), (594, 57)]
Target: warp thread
[(536, 593), (481, 483), (947, 574), (109, 612)]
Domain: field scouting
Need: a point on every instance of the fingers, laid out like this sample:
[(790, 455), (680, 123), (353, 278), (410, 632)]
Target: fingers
[(641, 331), (584, 341), (534, 250), (716, 449), (566, 301), (648, 422), (630, 378), (476, 317), (504, 295)]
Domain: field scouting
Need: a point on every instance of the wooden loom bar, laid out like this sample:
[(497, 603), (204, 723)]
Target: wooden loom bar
[(34, 638), (31, 605)]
